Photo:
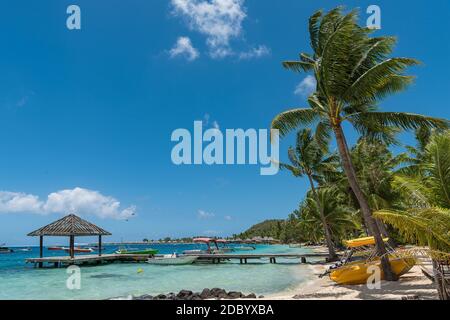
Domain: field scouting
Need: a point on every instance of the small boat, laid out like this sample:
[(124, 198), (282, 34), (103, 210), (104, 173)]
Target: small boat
[(213, 247), (5, 249), (24, 249), (55, 248), (79, 250), (354, 267), (172, 259), (195, 252), (357, 272), (147, 251)]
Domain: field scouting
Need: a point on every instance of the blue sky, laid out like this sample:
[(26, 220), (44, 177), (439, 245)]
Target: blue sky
[(94, 108)]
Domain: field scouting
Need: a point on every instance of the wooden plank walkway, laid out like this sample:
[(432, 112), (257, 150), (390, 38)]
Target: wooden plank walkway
[(214, 258), (243, 258), (87, 259)]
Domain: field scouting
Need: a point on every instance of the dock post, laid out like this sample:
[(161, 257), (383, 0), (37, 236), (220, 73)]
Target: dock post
[(99, 245), (72, 247), (41, 250), (303, 259)]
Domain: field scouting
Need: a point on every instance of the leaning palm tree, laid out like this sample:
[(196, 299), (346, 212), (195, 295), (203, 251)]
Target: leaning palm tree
[(353, 71), (308, 159)]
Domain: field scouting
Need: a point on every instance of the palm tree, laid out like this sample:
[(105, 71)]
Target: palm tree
[(308, 159), (326, 205), (427, 191), (353, 71)]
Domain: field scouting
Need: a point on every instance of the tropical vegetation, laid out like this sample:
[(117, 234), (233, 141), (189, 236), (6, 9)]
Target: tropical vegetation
[(354, 71)]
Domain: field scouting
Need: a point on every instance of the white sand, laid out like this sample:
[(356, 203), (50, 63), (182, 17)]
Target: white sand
[(412, 285)]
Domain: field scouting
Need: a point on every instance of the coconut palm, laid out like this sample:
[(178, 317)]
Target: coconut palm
[(353, 71), (308, 159), (326, 206), (427, 221)]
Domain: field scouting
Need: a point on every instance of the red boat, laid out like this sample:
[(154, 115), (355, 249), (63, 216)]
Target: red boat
[(55, 248), (80, 250)]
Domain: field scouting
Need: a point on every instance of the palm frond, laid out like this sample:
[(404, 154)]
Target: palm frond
[(438, 168), (314, 25), (402, 120), (385, 77), (429, 226), (298, 66), (290, 120)]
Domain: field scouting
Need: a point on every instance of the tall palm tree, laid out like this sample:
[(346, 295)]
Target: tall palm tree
[(308, 159), (353, 71)]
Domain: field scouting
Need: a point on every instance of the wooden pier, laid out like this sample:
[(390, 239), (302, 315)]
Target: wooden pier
[(142, 258), (87, 259), (243, 258)]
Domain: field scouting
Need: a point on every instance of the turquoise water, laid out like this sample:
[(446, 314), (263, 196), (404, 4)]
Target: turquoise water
[(21, 281)]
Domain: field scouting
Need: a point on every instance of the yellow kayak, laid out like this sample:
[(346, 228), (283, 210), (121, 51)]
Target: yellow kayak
[(356, 272), (367, 241)]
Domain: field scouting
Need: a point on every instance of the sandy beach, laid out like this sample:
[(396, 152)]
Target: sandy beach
[(413, 285)]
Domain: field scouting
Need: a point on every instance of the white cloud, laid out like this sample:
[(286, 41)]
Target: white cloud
[(306, 87), (183, 47), (218, 20), (12, 202), (79, 201), (256, 52), (205, 215), (228, 218)]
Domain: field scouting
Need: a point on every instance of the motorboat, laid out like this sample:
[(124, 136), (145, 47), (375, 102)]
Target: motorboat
[(172, 259), (5, 249), (80, 250), (147, 251), (213, 247), (194, 251), (55, 248)]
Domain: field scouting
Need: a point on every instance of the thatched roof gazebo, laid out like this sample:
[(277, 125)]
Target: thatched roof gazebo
[(70, 226)]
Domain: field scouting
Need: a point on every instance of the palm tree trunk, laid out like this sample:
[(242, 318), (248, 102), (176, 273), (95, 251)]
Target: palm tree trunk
[(332, 256), (367, 212)]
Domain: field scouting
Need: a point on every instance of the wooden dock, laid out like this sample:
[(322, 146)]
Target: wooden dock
[(87, 259), (243, 258), (142, 258)]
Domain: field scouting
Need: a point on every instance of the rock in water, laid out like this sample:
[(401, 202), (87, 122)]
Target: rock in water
[(234, 295), (218, 293), (206, 294), (184, 294)]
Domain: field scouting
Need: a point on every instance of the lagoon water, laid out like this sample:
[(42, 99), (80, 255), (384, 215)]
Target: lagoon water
[(21, 281)]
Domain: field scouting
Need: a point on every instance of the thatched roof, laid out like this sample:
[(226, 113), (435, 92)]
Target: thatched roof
[(70, 225)]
